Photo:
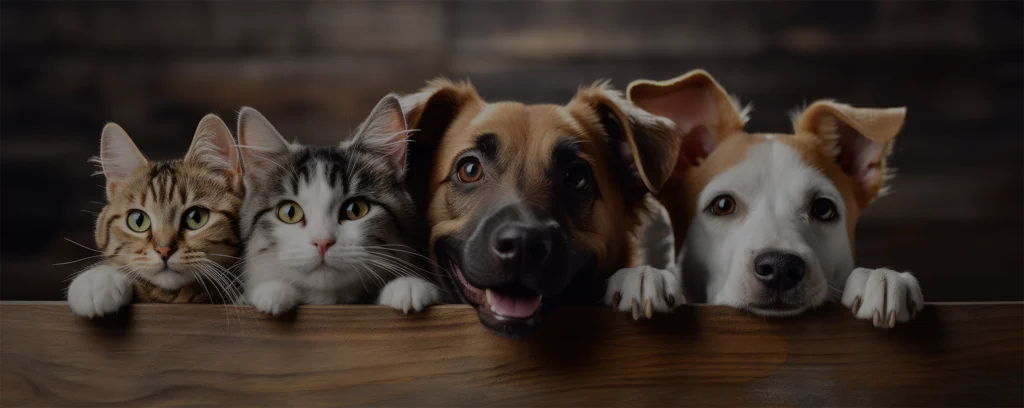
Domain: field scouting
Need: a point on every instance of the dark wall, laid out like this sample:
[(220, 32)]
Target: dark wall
[(315, 69)]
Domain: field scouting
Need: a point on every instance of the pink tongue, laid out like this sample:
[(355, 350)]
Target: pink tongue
[(512, 306)]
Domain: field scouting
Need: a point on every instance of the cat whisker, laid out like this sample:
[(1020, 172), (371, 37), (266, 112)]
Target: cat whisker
[(78, 260), (83, 246)]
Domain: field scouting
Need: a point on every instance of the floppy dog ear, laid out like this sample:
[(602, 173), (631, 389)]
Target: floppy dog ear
[(701, 109), (428, 114), (860, 140), (644, 143)]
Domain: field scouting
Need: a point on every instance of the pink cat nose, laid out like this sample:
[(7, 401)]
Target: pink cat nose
[(164, 251), (323, 244)]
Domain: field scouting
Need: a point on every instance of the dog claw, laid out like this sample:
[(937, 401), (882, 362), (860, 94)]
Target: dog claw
[(649, 309), (892, 319), (856, 305), (636, 310), (616, 298), (876, 318)]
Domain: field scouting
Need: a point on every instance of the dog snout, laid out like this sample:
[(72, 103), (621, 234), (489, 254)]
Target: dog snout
[(527, 245), (781, 271)]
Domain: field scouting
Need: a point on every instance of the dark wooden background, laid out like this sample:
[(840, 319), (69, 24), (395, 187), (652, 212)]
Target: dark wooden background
[(315, 68)]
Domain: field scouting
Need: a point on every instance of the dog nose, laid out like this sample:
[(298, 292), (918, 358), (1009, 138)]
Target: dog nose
[(323, 244), (779, 270), (526, 245)]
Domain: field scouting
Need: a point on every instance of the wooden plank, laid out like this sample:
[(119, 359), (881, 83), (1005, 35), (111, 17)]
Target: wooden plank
[(159, 355)]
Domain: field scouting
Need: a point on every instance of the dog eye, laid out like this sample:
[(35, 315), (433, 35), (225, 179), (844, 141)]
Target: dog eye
[(824, 209), (722, 205), (577, 177), (470, 170)]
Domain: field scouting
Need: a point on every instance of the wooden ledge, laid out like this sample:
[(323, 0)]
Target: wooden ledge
[(953, 354)]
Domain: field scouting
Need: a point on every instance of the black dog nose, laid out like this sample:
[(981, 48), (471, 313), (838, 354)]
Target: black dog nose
[(779, 270), (526, 245)]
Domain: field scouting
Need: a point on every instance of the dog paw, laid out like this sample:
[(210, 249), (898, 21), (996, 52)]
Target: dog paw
[(98, 291), (274, 297), (409, 294), (883, 296), (643, 290)]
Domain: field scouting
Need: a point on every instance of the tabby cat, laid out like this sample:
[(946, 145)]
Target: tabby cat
[(169, 230), (329, 225)]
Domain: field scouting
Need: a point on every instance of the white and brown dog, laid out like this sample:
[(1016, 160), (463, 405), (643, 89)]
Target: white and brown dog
[(768, 219)]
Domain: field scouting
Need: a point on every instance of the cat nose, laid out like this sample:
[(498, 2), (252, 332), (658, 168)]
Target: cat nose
[(165, 251), (323, 244)]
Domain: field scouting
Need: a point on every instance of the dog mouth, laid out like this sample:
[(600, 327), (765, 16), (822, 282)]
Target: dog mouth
[(509, 304), (776, 308)]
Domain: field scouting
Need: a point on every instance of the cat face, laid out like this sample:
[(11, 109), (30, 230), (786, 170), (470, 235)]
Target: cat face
[(326, 217), (171, 222)]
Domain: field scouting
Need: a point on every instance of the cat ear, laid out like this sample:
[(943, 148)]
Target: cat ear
[(860, 140), (385, 131), (119, 157), (259, 143), (214, 147)]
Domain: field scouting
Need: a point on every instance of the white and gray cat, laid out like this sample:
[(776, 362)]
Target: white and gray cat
[(327, 225)]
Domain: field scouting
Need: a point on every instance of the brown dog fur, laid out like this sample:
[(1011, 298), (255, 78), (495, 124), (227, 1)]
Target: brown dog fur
[(449, 116)]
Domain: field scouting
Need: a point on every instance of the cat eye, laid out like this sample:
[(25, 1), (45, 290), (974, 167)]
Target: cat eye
[(354, 209), (470, 170), (289, 212), (722, 205), (138, 221), (196, 217), (577, 177), (824, 209)]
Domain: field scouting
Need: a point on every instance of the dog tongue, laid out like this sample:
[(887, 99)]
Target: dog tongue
[(512, 306)]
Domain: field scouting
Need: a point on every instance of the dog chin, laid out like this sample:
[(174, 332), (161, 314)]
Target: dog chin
[(513, 313), (775, 309)]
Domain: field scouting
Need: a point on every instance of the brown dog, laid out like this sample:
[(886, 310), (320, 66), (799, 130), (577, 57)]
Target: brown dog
[(532, 205)]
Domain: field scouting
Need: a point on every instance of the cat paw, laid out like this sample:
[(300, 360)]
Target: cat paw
[(883, 296), (274, 297), (98, 291), (643, 290), (409, 294)]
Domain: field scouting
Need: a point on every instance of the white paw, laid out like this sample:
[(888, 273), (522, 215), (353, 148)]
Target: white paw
[(409, 294), (643, 288), (98, 291), (273, 297), (883, 295)]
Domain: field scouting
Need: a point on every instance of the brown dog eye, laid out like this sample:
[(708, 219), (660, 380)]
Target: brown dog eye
[(722, 205), (470, 171), (824, 209), (577, 178)]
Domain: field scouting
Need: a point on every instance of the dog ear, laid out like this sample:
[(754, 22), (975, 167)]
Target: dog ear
[(385, 131), (428, 114), (119, 157), (644, 143), (701, 109), (214, 146), (259, 143), (860, 140)]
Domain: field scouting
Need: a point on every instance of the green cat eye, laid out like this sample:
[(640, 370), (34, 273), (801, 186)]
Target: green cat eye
[(196, 217), (138, 221), (289, 212), (355, 209)]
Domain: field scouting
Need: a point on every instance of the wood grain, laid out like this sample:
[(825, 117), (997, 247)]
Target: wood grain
[(160, 355)]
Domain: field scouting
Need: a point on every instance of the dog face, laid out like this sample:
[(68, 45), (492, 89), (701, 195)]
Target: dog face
[(767, 219), (529, 205)]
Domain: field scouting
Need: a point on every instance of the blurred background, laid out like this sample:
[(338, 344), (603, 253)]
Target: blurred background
[(315, 69)]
